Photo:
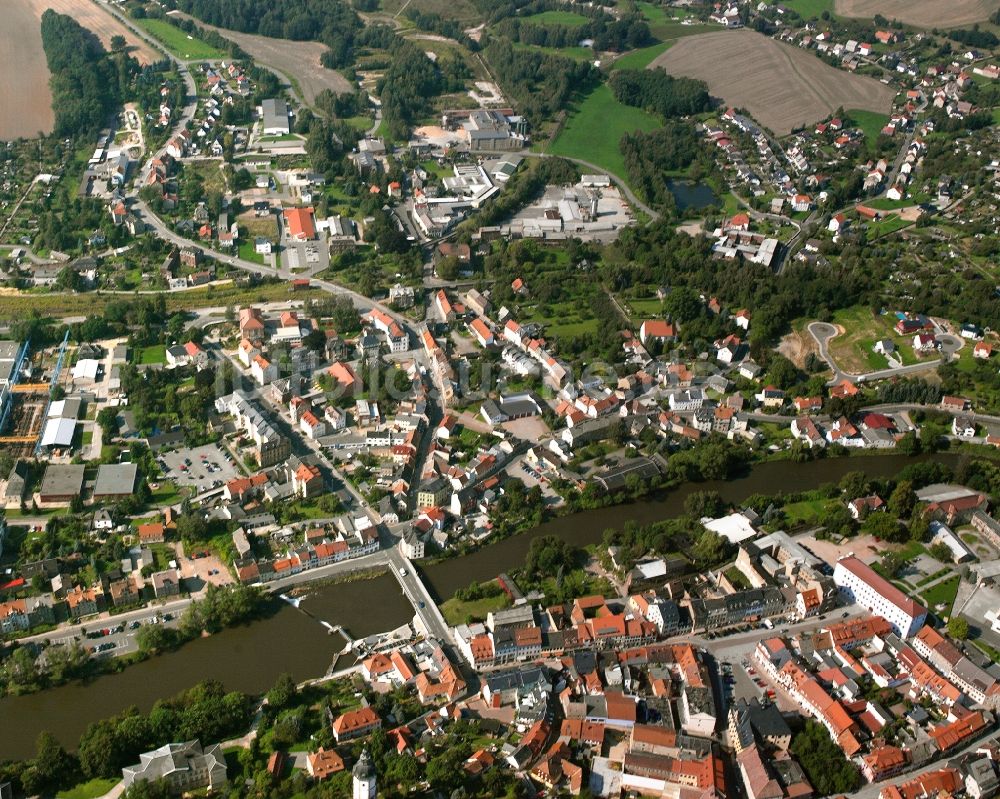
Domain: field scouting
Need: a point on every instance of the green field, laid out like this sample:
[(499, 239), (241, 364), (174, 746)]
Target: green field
[(88, 790), (157, 353), (579, 53), (455, 611), (567, 18), (942, 594), (871, 122), (180, 43), (808, 9), (595, 127), (642, 58)]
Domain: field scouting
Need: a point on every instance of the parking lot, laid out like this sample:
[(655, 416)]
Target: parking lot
[(203, 467)]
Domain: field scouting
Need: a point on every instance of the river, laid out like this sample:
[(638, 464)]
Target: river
[(250, 657)]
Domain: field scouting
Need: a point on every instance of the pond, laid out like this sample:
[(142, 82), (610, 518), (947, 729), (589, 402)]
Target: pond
[(689, 195)]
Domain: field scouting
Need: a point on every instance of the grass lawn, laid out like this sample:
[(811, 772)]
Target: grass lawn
[(641, 58), (579, 53), (156, 353), (568, 18), (455, 611), (645, 308), (808, 9), (595, 127), (807, 512), (911, 549), (853, 350), (887, 225), (180, 43), (88, 790), (871, 122), (248, 253), (942, 594)]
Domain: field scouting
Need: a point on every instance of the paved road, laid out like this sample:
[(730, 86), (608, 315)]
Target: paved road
[(823, 333)]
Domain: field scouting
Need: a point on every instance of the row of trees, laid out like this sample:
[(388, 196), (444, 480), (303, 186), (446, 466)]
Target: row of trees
[(88, 84)]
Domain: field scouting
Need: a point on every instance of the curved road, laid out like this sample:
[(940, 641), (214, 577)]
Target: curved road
[(823, 333)]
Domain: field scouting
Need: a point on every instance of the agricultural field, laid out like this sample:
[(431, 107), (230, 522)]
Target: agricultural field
[(25, 99), (595, 127), (297, 62), (181, 44), (781, 86), (921, 13)]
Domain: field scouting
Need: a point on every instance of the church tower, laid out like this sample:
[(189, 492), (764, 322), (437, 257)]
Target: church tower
[(364, 777)]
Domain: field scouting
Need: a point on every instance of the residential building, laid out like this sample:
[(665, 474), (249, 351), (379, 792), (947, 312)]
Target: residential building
[(861, 584), (183, 766)]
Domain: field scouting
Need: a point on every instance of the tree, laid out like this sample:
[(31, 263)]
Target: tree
[(885, 527), (854, 485), (941, 552), (837, 520), (903, 500), (704, 503), (52, 768), (891, 563), (958, 628), (283, 693), (152, 638)]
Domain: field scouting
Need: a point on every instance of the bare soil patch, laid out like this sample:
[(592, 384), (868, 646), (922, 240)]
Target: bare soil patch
[(921, 13), (797, 345), (25, 99), (781, 86), (297, 61)]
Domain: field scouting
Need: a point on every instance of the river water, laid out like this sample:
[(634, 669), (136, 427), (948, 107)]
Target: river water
[(250, 657)]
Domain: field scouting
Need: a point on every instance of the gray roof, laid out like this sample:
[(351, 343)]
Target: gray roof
[(62, 480), (115, 479), (275, 113), (180, 757)]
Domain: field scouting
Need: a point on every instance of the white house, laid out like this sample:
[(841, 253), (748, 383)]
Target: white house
[(860, 584), (263, 370)]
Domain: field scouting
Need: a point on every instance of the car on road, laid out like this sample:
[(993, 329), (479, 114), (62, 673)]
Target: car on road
[(402, 572), (135, 625)]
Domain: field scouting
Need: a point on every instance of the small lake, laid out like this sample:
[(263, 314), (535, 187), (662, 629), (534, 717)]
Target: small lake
[(690, 195)]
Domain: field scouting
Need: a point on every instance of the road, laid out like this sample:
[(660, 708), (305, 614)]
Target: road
[(416, 592), (823, 333)]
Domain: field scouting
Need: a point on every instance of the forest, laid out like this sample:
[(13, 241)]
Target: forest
[(607, 33), (88, 84), (659, 93), (540, 84), (650, 156)]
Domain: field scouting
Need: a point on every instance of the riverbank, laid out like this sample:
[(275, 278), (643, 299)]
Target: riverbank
[(249, 658)]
